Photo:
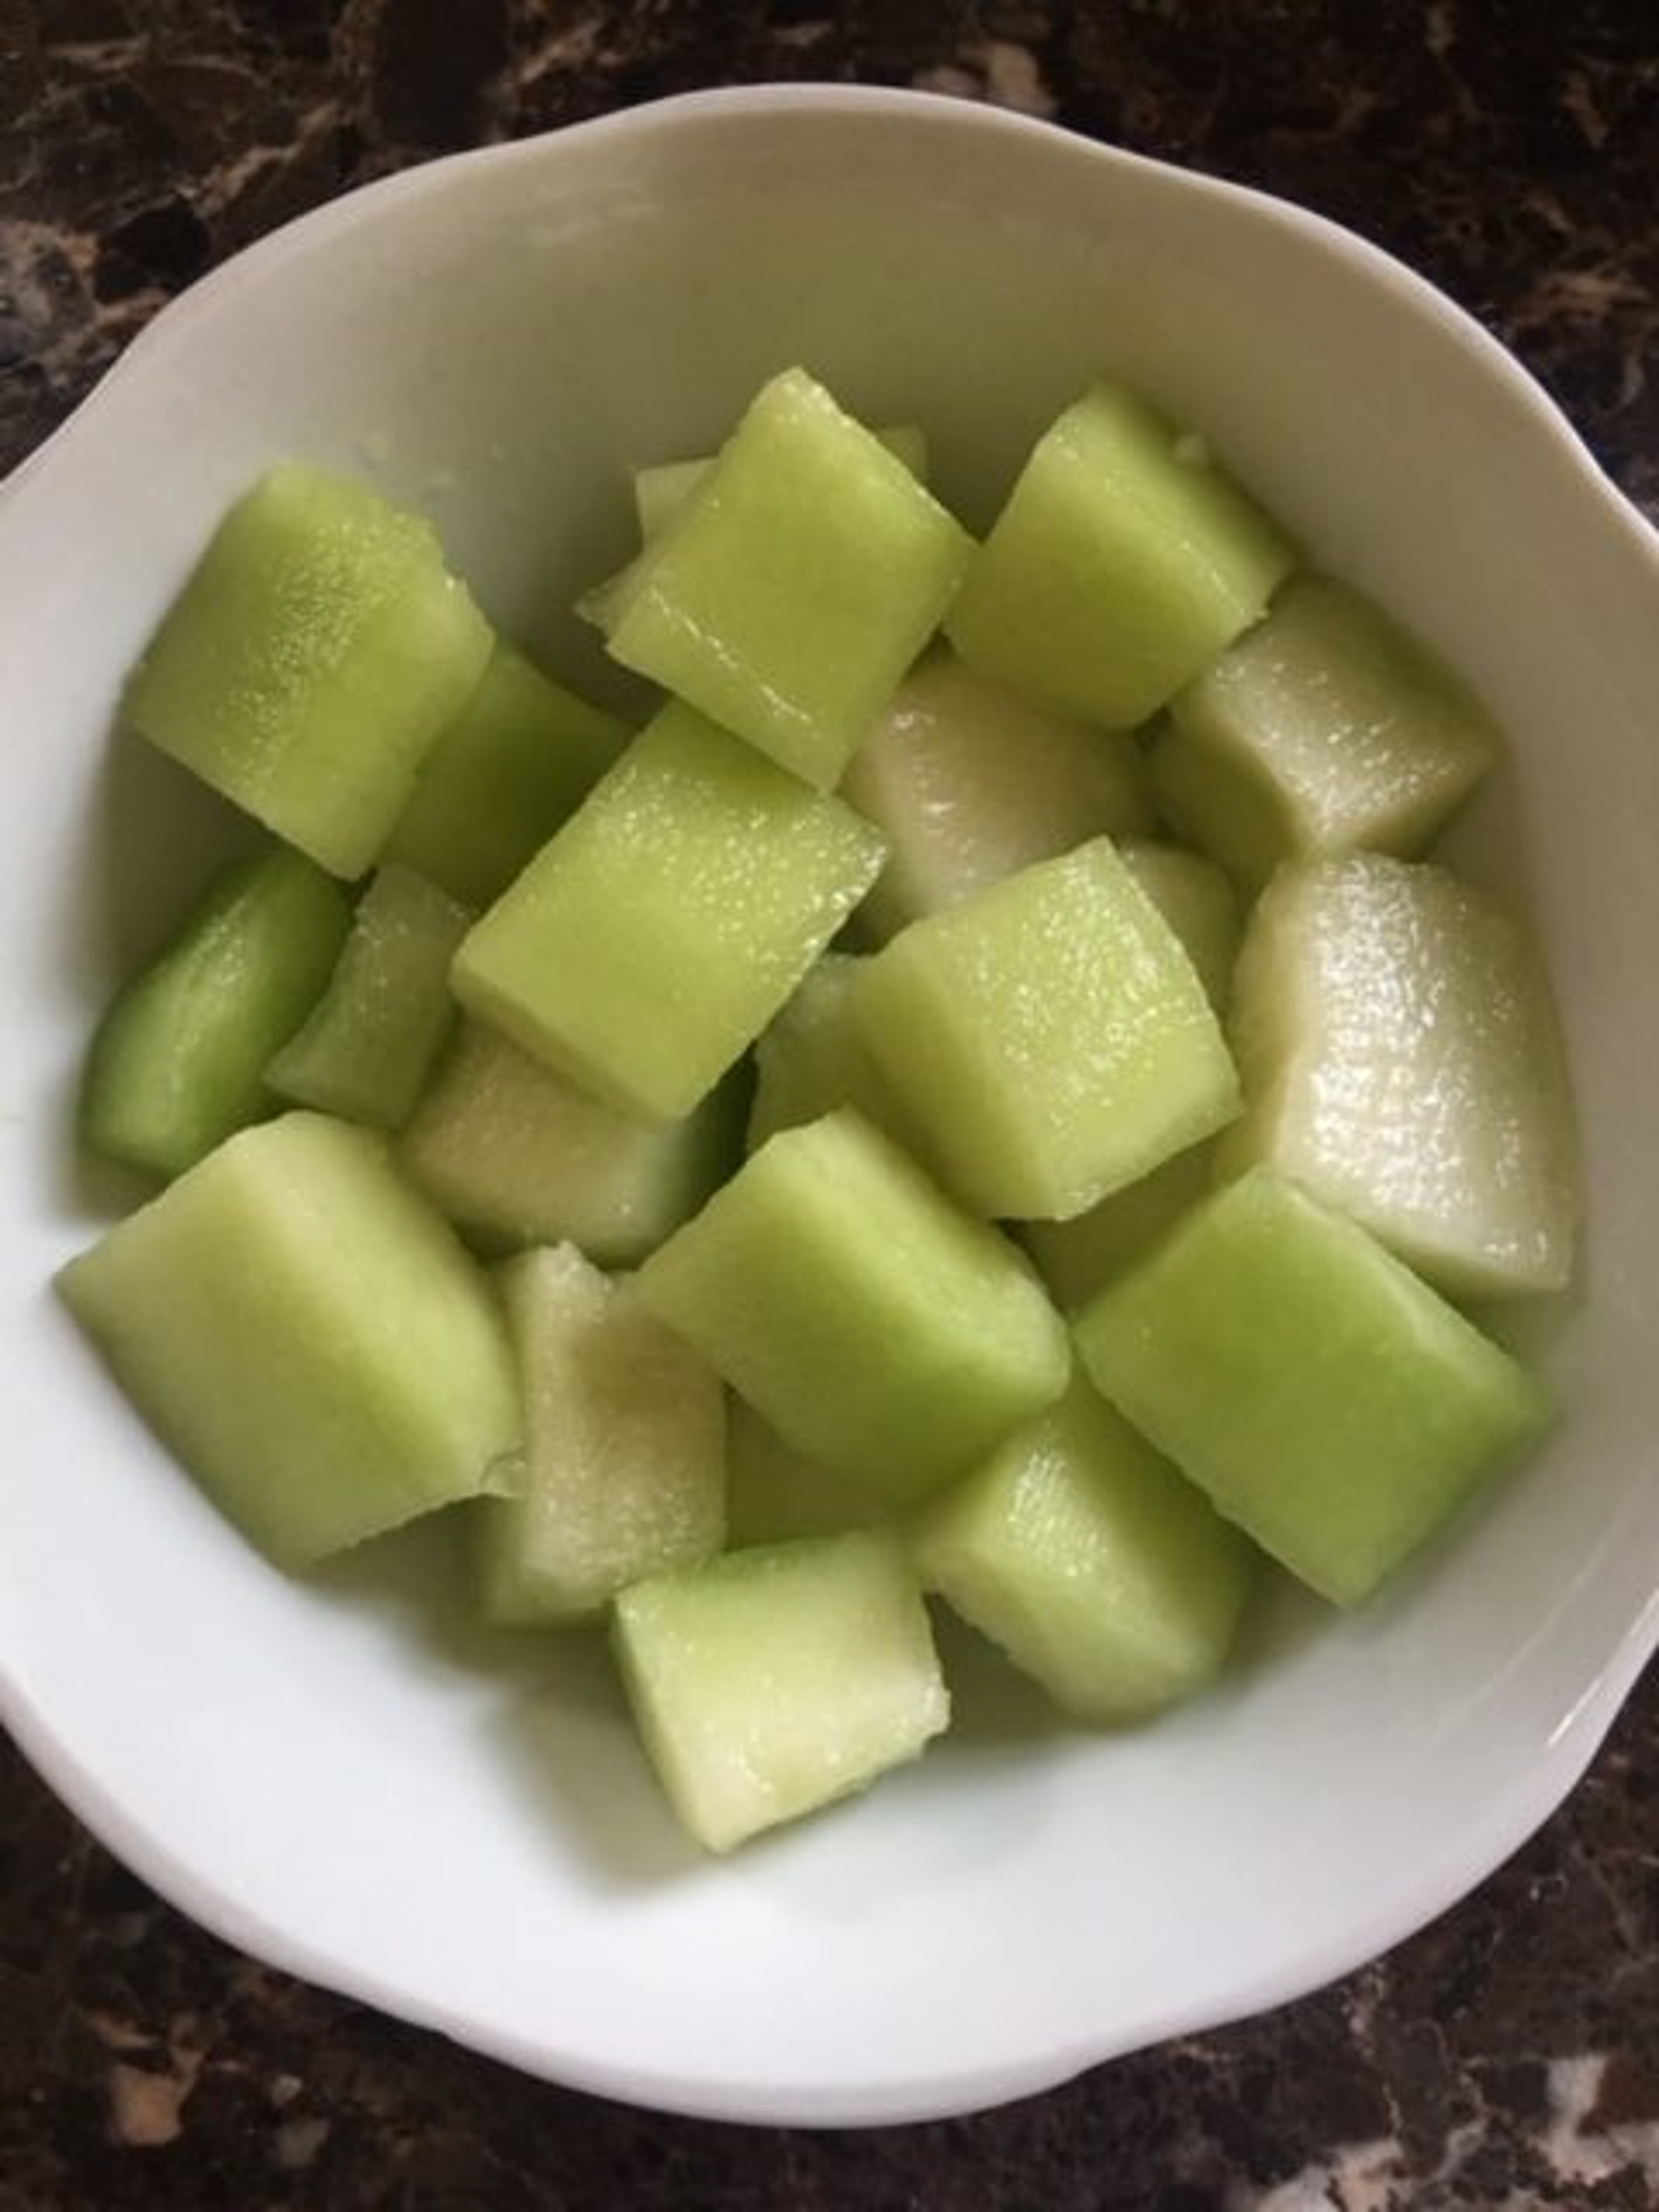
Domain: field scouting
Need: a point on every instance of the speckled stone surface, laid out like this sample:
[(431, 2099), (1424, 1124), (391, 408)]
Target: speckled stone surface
[(1508, 2057)]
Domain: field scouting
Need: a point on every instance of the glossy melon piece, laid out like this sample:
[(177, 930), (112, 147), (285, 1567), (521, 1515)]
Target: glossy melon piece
[(796, 585), (624, 1465), (178, 1062), (308, 1336), (880, 1330), (1123, 563), (969, 783), (662, 489), (514, 763), (1326, 1399), (770, 1682), (367, 1047), (515, 1154), (1100, 1570), (309, 663), (1402, 1060), (652, 940), (1050, 1036), (1325, 729)]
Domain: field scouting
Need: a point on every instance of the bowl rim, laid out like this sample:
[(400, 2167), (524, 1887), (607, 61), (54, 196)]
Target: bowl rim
[(1576, 1738)]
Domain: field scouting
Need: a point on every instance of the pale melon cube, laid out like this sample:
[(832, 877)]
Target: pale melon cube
[(516, 1155), (774, 1493), (812, 1058), (767, 1683), (307, 1335), (1199, 904), (1326, 1400), (969, 783), (624, 1462), (648, 945), (661, 490), (794, 586), (1123, 563), (1050, 1036), (1325, 729), (1402, 1060), (1078, 1258), (878, 1329), (1098, 1569)]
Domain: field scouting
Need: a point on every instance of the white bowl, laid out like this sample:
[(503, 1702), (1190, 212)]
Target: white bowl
[(345, 1780)]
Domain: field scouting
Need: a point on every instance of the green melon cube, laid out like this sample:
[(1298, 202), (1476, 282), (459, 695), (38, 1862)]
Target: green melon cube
[(369, 1044), (178, 1062), (624, 1465), (1099, 1570), (1079, 1257), (516, 1155), (769, 1683), (877, 1328), (652, 939), (969, 783), (812, 1058), (794, 586), (774, 1493), (516, 762), (1199, 904), (1123, 563), (1051, 1036), (659, 492), (1402, 1060), (310, 662), (1325, 729), (1326, 1399), (302, 1328)]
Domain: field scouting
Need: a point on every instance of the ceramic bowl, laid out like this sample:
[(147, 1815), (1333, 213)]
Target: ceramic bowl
[(343, 1777)]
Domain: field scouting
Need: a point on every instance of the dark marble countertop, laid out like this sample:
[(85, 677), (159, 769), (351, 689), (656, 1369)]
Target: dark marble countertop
[(1507, 2057)]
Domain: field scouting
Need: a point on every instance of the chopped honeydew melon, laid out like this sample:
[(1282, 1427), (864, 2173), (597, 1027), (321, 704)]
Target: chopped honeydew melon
[(178, 1062), (1040, 1097), (1123, 563), (968, 783), (1325, 729), (878, 1329), (794, 586), (311, 660), (516, 1155), (660, 491), (767, 1683), (1326, 1399), (367, 1048), (1078, 1258), (774, 1493), (1199, 904), (648, 945), (811, 1058), (308, 1336), (624, 1461), (1101, 1571), (1401, 1059), (514, 764)]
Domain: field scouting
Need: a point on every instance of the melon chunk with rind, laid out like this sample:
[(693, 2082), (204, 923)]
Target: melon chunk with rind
[(661, 490), (1199, 904), (1327, 729), (307, 1335), (652, 938), (1099, 1569), (516, 1155), (968, 783), (1051, 1036), (877, 1328), (1403, 1059), (769, 1683), (311, 660), (1324, 1397), (178, 1062), (795, 584), (1078, 1258), (367, 1047), (1123, 561), (774, 1493), (513, 765), (624, 1457)]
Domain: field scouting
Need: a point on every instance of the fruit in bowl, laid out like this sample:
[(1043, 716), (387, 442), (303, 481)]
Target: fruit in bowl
[(1089, 1855)]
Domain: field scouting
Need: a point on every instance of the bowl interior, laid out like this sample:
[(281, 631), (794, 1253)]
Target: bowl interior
[(347, 1776)]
